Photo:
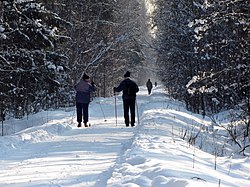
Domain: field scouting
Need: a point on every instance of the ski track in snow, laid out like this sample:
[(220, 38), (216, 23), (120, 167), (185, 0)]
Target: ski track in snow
[(151, 154)]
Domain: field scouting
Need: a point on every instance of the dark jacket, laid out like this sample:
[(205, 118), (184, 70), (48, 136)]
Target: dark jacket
[(83, 91), (149, 85), (123, 86)]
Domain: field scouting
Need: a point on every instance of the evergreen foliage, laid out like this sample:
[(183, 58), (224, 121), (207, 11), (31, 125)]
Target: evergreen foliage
[(204, 51), (204, 57), (42, 56), (103, 39), (33, 67)]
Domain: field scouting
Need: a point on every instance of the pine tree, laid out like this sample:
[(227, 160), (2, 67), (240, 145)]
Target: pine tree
[(32, 64), (221, 38)]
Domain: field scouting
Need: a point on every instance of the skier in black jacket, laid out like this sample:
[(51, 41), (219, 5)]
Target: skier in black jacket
[(149, 86), (129, 88)]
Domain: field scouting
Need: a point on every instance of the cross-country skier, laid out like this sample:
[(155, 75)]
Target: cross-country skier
[(129, 88), (84, 88), (149, 86)]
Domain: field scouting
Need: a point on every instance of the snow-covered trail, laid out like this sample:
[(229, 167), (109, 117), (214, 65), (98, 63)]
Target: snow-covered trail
[(59, 154), (149, 155)]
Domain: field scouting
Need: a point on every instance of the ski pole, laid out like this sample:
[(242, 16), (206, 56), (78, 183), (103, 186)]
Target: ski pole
[(137, 112), (115, 111), (73, 115), (102, 110)]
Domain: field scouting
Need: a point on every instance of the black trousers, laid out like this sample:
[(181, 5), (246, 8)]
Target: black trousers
[(149, 91), (82, 111), (129, 105)]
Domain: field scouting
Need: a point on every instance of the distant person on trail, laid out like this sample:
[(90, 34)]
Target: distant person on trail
[(84, 88), (129, 88), (149, 86), (155, 84)]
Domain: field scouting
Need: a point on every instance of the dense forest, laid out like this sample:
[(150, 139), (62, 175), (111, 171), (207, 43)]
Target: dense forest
[(198, 49)]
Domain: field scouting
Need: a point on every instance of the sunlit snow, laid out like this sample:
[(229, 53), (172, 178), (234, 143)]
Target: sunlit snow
[(49, 150)]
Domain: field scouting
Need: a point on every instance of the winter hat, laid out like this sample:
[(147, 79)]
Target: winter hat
[(85, 76), (127, 74)]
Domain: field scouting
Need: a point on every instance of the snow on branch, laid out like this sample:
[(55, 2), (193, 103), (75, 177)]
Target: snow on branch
[(6, 61), (105, 49)]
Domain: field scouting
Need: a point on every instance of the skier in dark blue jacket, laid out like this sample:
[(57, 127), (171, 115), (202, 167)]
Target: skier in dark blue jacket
[(129, 88), (84, 88)]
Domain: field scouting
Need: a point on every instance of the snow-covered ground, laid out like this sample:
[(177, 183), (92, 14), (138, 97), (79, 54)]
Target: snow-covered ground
[(49, 150)]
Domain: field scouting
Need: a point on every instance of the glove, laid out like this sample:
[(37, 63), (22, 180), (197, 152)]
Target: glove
[(114, 89), (92, 83)]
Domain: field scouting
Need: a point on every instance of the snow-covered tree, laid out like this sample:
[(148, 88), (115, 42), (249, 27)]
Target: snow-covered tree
[(221, 42), (174, 44), (204, 55), (32, 65), (103, 39), (204, 52)]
